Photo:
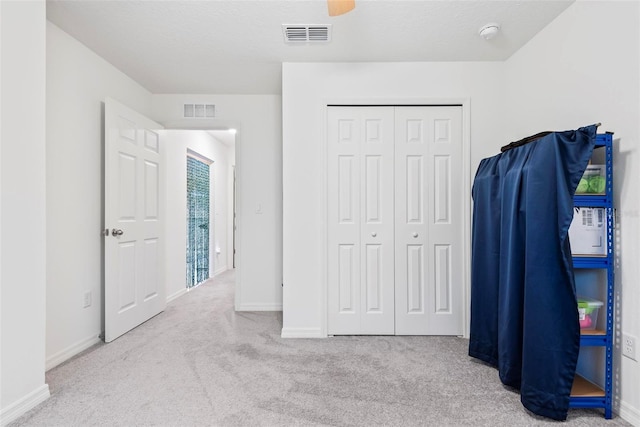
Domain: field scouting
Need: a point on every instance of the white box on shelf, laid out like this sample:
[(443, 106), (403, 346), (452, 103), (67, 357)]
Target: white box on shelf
[(588, 232)]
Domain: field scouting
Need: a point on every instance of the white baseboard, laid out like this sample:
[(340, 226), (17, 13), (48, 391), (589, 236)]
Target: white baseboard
[(176, 295), (72, 350), (24, 405), (259, 307), (629, 414), (220, 271), (301, 333)]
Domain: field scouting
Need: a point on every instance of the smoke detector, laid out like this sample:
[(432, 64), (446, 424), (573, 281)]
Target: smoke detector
[(489, 31)]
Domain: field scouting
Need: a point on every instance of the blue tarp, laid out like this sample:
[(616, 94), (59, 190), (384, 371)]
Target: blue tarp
[(524, 316)]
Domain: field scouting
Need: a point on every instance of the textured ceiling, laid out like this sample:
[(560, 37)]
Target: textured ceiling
[(236, 46)]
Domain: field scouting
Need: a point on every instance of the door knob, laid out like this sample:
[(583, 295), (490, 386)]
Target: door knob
[(374, 234), (415, 234), (117, 232)]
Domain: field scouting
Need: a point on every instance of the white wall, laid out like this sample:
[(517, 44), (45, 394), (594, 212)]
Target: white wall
[(78, 81), (22, 207), (303, 130), (221, 188), (259, 186), (581, 69), (176, 143)]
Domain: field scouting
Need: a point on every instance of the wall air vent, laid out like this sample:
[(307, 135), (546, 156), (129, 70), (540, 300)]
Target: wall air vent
[(199, 111), (307, 33)]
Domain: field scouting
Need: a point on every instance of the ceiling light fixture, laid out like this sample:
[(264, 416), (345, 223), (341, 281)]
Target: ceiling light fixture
[(489, 31), (340, 7)]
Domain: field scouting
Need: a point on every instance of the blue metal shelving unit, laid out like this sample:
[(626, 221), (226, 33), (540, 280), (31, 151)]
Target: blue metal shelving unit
[(584, 393)]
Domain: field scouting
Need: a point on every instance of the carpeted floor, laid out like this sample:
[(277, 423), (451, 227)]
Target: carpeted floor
[(201, 364)]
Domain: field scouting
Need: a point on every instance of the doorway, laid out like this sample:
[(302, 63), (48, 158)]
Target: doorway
[(198, 219), (211, 148)]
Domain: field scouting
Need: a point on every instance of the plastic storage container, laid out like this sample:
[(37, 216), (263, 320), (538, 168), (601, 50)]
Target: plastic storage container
[(593, 180), (588, 312)]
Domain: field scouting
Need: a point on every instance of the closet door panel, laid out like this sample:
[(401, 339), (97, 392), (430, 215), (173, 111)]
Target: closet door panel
[(442, 189), (442, 279), (414, 177), (377, 221), (445, 224), (347, 279), (412, 155), (415, 279), (428, 216), (343, 251), (360, 216)]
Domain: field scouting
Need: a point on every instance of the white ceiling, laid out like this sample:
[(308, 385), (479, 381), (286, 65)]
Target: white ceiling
[(237, 47)]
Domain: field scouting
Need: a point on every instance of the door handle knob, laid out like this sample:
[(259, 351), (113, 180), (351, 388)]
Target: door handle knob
[(374, 234), (117, 232), (415, 234)]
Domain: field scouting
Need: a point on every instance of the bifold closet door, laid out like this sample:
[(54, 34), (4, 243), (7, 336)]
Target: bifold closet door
[(428, 221), (360, 220)]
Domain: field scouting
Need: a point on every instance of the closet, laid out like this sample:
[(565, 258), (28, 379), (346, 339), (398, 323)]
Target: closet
[(395, 220)]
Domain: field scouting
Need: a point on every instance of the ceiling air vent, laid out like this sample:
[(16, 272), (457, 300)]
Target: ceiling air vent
[(307, 33), (199, 111)]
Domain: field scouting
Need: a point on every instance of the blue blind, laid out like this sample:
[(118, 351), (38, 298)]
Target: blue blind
[(197, 221)]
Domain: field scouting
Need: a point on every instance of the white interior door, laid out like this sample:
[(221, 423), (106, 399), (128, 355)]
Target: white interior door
[(360, 215), (429, 221), (134, 286)]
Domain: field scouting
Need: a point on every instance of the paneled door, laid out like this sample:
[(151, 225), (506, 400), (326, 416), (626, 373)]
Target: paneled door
[(429, 221), (395, 220), (134, 286), (360, 215)]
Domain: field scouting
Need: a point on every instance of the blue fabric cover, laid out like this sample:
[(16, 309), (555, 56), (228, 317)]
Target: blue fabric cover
[(524, 316)]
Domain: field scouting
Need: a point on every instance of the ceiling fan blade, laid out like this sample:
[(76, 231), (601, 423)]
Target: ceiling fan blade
[(339, 7)]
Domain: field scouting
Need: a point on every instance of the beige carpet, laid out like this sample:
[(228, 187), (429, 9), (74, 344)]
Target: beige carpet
[(201, 364)]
